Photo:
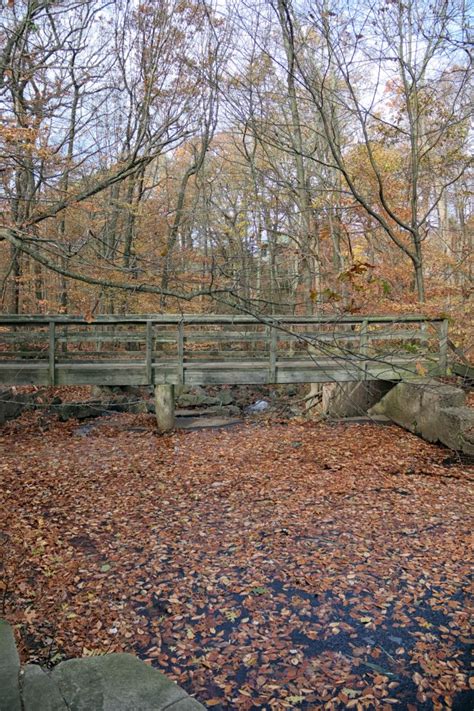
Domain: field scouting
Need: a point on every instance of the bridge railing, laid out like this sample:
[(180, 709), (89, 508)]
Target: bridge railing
[(178, 343)]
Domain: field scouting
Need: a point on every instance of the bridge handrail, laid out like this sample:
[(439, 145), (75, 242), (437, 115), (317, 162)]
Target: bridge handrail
[(170, 319)]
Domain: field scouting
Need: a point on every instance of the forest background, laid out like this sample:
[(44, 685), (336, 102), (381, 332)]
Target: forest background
[(271, 157)]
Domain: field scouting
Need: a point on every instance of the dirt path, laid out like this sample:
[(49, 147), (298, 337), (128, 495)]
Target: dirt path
[(263, 567)]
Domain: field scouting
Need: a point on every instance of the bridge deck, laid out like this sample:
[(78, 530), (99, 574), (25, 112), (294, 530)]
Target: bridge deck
[(217, 350)]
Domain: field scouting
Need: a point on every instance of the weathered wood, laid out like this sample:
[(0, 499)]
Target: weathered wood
[(128, 373), (233, 356), (211, 319), (52, 353), (180, 343), (164, 407), (36, 354), (364, 344), (273, 354), (285, 349), (149, 351), (225, 337)]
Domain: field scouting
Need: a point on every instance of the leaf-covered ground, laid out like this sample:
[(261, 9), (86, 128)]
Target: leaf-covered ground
[(262, 567)]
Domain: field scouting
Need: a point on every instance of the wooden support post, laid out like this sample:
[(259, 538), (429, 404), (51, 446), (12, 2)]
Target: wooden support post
[(273, 354), (364, 345), (149, 352), (164, 407), (443, 347), (52, 353), (181, 353), (63, 346)]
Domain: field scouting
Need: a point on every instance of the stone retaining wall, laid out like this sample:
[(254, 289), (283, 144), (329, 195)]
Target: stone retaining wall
[(12, 403), (435, 411), (352, 399)]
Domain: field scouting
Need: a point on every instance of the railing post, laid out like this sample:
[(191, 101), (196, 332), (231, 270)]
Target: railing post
[(51, 352), (181, 353), (149, 352), (364, 345), (272, 354), (443, 347)]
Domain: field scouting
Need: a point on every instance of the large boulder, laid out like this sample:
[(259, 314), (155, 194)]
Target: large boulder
[(415, 405), (196, 397), (456, 428)]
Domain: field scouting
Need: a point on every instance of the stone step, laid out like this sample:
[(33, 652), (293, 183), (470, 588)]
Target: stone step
[(365, 420), (118, 682), (206, 411), (199, 423), (9, 670), (40, 691), (112, 682)]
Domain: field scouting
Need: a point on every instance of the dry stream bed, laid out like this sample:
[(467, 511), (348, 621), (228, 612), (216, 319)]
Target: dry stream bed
[(272, 566)]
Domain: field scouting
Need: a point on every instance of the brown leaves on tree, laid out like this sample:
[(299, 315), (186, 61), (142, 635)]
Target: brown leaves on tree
[(264, 567)]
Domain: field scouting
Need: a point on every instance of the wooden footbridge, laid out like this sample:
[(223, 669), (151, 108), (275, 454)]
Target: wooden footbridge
[(169, 350), (211, 349)]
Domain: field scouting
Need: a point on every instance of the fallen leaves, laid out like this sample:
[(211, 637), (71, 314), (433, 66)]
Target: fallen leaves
[(256, 573)]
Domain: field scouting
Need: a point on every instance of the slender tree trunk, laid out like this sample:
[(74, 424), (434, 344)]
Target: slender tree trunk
[(15, 277), (309, 241)]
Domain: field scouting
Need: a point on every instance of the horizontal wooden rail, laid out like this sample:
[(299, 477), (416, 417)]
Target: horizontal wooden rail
[(210, 319)]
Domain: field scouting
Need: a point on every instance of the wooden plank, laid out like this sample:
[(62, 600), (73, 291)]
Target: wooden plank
[(227, 377), (103, 338), (211, 337), (397, 336), (36, 355), (295, 362), (103, 376), (24, 337), (204, 337), (221, 355), (73, 338), (100, 355), (134, 373), (165, 339), (198, 355)]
